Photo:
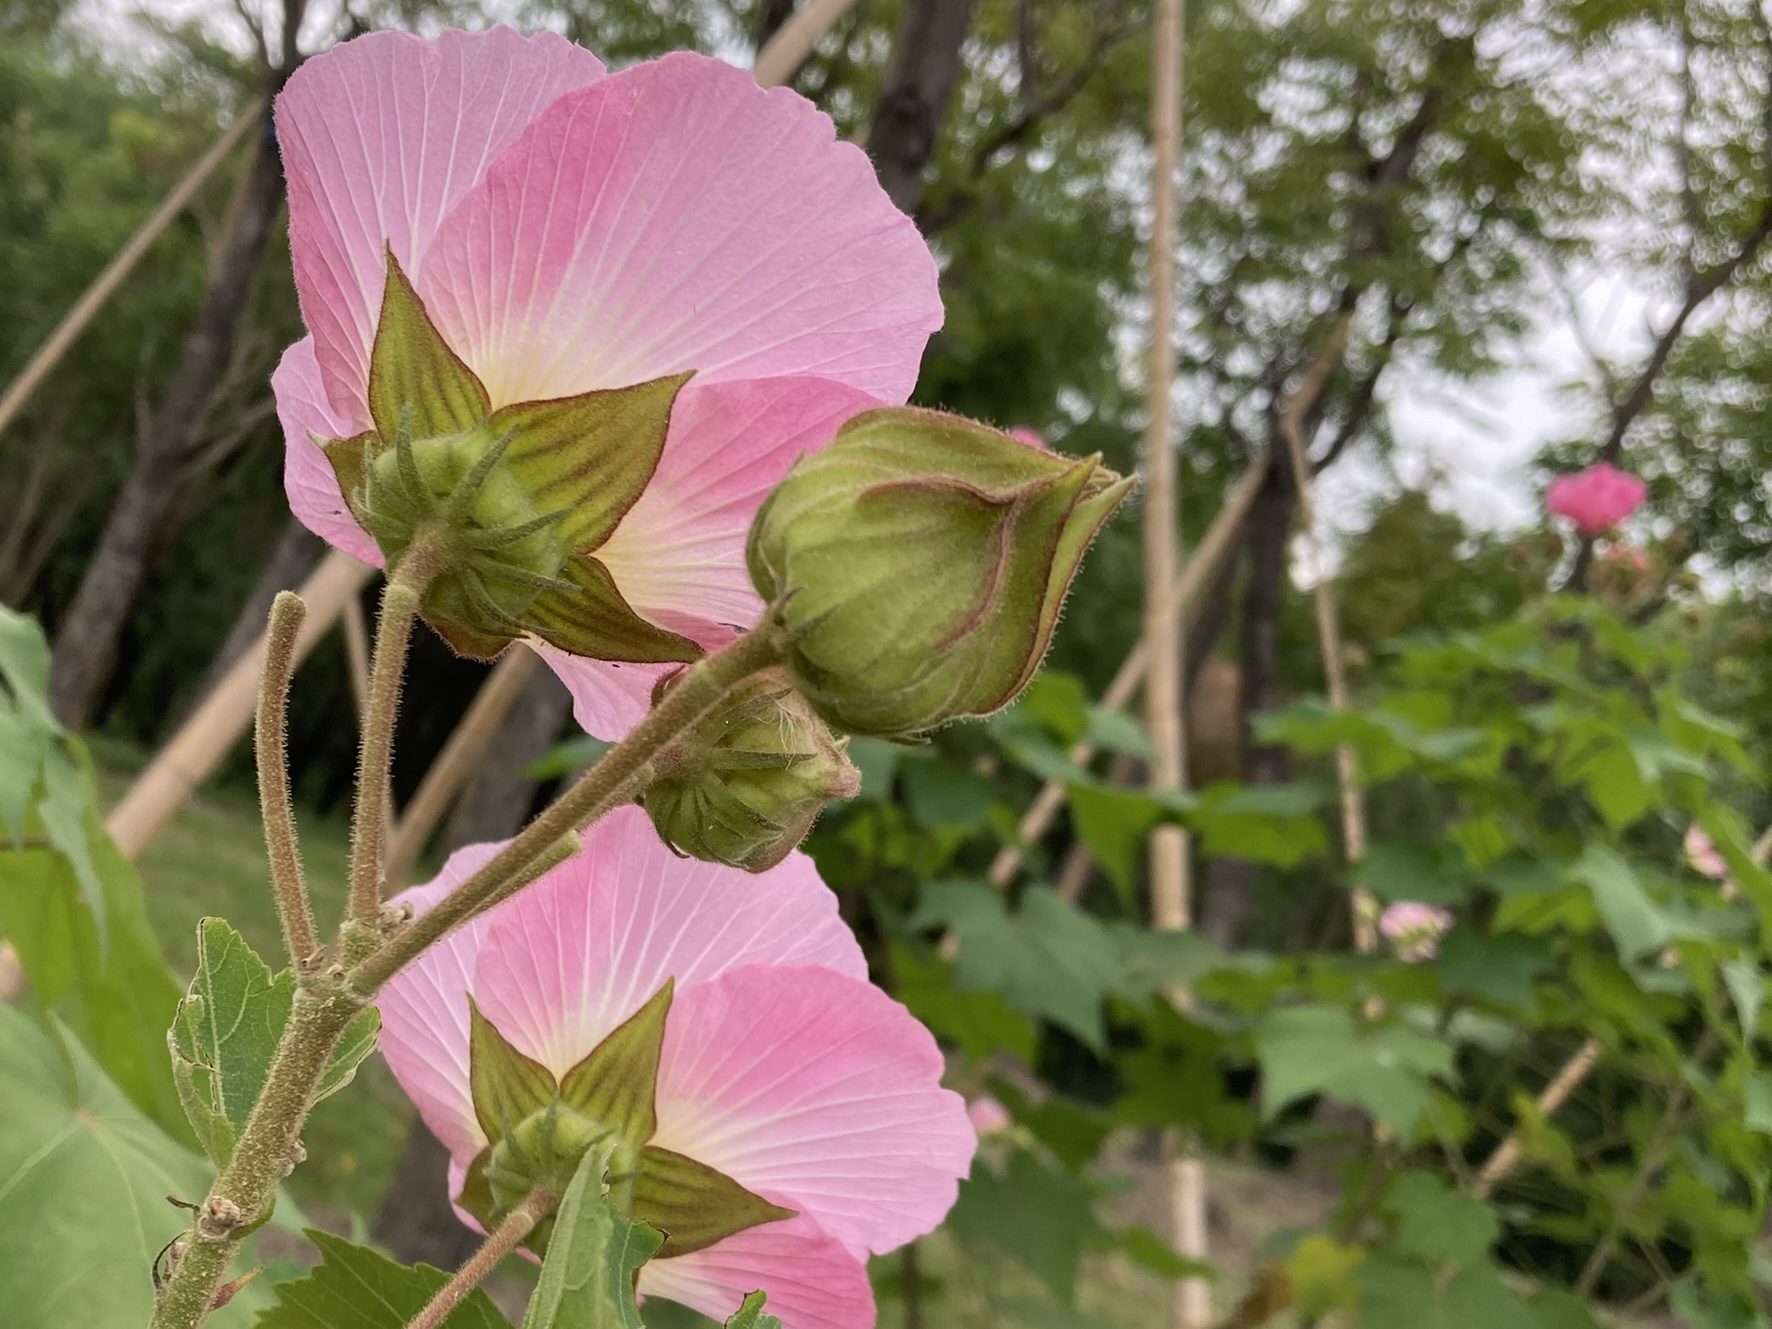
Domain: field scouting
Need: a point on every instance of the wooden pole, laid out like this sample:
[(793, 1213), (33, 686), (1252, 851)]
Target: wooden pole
[(458, 760), (105, 285), (1171, 886), (794, 40), (216, 725)]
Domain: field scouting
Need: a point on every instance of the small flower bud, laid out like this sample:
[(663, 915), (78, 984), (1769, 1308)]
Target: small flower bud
[(917, 566), (752, 778)]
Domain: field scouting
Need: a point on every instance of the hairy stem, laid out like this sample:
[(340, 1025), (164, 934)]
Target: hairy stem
[(624, 771), (270, 743), (505, 1238), (369, 821)]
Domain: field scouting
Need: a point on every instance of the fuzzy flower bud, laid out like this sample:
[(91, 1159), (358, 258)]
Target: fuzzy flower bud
[(917, 566), (753, 777)]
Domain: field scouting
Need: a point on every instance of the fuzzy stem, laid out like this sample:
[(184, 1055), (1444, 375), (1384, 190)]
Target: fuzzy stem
[(625, 770), (271, 746), (369, 821), (505, 1238)]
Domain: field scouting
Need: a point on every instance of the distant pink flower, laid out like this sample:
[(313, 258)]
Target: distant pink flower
[(1414, 929), (988, 1116), (782, 1066), (1596, 499), (1702, 854), (570, 230)]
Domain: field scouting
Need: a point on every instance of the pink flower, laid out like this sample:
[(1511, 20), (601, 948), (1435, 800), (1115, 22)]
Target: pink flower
[(569, 230), (988, 1116), (1595, 499), (1414, 929), (781, 1066), (1702, 854)]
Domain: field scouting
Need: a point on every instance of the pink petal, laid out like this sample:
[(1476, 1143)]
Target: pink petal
[(308, 477), (812, 1280), (608, 699), (381, 136), (819, 1091), (569, 959), (676, 216), (424, 1014), (678, 556)]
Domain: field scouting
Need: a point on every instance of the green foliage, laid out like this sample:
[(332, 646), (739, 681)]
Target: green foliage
[(587, 1280), (1040, 1216), (353, 1285), (750, 1315)]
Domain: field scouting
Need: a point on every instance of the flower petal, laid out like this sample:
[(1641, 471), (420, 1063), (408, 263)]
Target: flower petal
[(608, 698), (424, 1014), (381, 136), (820, 1092), (812, 1280), (567, 960), (678, 555), (676, 216), (308, 478)]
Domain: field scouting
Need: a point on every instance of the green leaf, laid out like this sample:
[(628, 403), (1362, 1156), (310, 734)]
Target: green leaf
[(1747, 988), (507, 1087), (1275, 824), (750, 1315), (693, 1204), (1637, 924), (941, 797), (1384, 1068), (84, 1178), (1435, 1222), (981, 1024), (1413, 870), (878, 761), (1116, 731), (1041, 1218), (226, 1029), (415, 379), (1115, 825), (1500, 969), (354, 1287), (587, 1279), (1399, 1295)]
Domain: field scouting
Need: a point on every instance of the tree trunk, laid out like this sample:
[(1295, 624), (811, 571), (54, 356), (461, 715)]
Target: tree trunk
[(86, 639), (906, 124), (1231, 882), (291, 559), (497, 800)]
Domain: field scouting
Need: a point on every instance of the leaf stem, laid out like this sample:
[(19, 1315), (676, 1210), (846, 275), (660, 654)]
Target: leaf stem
[(505, 1238), (271, 745), (620, 776)]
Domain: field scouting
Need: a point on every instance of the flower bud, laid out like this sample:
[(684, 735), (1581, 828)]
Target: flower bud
[(751, 778), (916, 566)]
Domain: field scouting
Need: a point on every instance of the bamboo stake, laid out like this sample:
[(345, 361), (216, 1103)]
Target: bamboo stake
[(458, 760), (114, 273), (201, 743), (794, 40), (1171, 887)]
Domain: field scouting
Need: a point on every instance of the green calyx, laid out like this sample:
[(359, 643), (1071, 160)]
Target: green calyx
[(509, 505), (917, 566), (540, 1128), (748, 782)]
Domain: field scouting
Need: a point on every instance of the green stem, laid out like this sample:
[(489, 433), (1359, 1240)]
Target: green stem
[(270, 738), (619, 777), (369, 821), (505, 1238)]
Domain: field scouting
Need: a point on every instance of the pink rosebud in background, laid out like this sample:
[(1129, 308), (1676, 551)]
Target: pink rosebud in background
[(988, 1116), (1414, 929), (571, 231), (1595, 499), (780, 1069)]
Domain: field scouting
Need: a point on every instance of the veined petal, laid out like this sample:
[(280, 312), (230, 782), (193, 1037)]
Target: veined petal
[(676, 216), (608, 698), (308, 478), (813, 1281), (424, 1014), (678, 555), (820, 1092), (570, 958), (381, 137)]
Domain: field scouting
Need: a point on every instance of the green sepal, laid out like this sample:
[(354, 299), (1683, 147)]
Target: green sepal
[(417, 385), (617, 1084), (594, 620), (590, 456), (693, 1204), (507, 1087), (750, 1315)]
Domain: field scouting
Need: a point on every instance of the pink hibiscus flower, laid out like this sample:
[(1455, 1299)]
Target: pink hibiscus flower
[(781, 1067), (1414, 929), (1596, 499), (569, 231)]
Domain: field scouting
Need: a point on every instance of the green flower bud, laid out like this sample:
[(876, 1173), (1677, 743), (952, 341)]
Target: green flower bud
[(751, 778), (917, 566)]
